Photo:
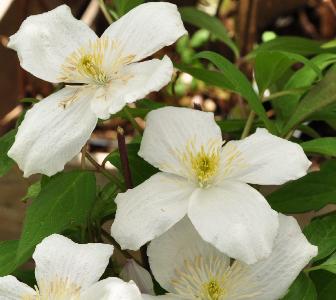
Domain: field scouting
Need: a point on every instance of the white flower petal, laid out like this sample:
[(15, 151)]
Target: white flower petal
[(58, 259), (45, 40), (270, 278), (150, 209), (236, 219), (112, 288), (138, 274), (162, 297), (146, 29), (135, 82), (263, 158), (171, 250), (12, 289), (170, 130), (51, 135)]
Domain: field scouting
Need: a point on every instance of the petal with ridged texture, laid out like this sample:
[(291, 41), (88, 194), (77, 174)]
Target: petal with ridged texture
[(263, 158), (180, 246), (150, 209), (44, 41), (236, 219), (146, 29), (51, 135), (12, 289), (133, 82), (269, 279), (62, 263)]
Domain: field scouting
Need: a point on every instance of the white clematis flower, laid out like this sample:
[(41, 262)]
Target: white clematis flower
[(56, 47), (190, 268), (207, 181), (69, 271)]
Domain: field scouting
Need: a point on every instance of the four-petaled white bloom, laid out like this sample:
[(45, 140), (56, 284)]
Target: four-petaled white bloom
[(56, 47), (207, 181), (69, 271), (190, 268)]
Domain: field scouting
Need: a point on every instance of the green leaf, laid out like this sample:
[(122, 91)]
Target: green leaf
[(6, 142), (321, 232), (124, 6), (8, 257), (105, 205), (321, 279), (65, 201), (296, 45), (311, 192), (329, 291), (302, 289), (144, 106), (325, 146), (33, 191), (237, 82), (140, 169), (320, 96), (269, 67), (201, 19), (301, 80), (329, 264), (228, 126), (199, 38)]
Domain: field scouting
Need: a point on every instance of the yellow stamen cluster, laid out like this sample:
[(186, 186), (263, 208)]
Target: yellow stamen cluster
[(205, 165), (201, 278), (212, 290), (87, 61), (91, 66), (59, 289)]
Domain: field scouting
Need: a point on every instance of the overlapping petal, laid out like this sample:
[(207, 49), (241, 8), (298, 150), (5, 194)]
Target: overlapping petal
[(236, 219), (263, 158), (139, 275), (58, 258), (44, 41), (170, 130), (146, 29), (150, 209), (134, 82), (51, 135), (112, 289), (269, 279), (12, 289), (173, 250)]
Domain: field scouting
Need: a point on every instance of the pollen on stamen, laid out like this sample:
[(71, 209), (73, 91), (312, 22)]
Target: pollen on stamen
[(202, 162), (201, 278), (87, 62)]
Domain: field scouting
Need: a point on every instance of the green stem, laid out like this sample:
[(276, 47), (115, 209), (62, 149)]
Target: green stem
[(248, 125), (284, 93), (130, 118), (312, 269), (105, 11), (104, 172), (289, 135)]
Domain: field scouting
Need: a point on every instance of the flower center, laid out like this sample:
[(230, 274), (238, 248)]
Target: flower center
[(213, 290), (201, 278), (91, 66), (204, 165), (98, 62)]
